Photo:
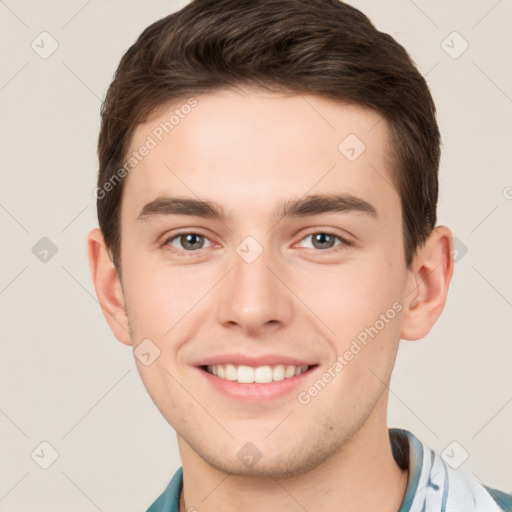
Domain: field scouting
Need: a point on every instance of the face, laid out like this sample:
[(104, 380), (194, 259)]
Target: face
[(266, 276)]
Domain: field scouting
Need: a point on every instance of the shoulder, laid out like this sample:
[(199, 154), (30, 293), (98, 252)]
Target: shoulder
[(436, 486), (466, 493), (169, 500), (503, 500)]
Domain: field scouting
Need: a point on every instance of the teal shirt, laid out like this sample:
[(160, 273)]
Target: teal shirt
[(433, 486)]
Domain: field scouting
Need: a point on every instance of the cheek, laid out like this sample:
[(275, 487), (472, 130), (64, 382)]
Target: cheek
[(157, 295), (350, 298), (164, 390)]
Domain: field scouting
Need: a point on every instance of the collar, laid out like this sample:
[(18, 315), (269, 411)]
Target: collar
[(432, 485)]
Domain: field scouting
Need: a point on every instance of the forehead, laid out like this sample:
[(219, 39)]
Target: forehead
[(248, 149)]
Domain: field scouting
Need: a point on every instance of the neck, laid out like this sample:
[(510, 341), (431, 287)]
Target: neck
[(362, 475)]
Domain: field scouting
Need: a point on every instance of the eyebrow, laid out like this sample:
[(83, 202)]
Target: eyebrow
[(302, 207)]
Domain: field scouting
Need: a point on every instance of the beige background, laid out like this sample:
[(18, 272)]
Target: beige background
[(64, 379)]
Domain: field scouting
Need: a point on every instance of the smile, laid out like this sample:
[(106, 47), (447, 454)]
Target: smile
[(260, 374)]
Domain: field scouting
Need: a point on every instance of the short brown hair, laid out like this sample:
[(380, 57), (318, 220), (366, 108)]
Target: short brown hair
[(322, 47)]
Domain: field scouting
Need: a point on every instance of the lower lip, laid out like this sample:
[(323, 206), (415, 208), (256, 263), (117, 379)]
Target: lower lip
[(257, 392)]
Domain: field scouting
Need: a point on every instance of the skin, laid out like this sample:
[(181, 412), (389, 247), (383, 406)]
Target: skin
[(250, 150)]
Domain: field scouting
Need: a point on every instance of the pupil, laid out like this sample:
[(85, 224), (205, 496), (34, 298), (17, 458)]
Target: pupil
[(189, 240), (322, 238)]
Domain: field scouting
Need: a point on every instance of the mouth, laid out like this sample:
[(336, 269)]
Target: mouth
[(261, 374), (255, 384)]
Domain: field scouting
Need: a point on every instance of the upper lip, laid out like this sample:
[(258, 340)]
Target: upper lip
[(263, 360)]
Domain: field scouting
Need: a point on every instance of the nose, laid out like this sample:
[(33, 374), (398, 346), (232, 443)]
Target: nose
[(254, 297)]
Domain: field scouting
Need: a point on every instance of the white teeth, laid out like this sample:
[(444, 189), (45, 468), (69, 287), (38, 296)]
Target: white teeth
[(260, 374), (263, 374), (278, 372), (245, 374), (300, 369), (289, 372), (230, 372)]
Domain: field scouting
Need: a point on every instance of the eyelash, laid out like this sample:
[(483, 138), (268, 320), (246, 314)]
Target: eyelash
[(344, 241)]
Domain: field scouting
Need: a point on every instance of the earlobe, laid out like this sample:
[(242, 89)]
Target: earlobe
[(430, 277), (108, 286)]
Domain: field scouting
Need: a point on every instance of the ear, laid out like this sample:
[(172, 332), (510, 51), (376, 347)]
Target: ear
[(108, 286), (429, 279)]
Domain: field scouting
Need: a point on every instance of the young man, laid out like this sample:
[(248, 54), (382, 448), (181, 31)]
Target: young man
[(267, 205)]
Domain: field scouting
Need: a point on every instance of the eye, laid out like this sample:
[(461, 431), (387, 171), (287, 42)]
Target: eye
[(189, 241), (325, 240)]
